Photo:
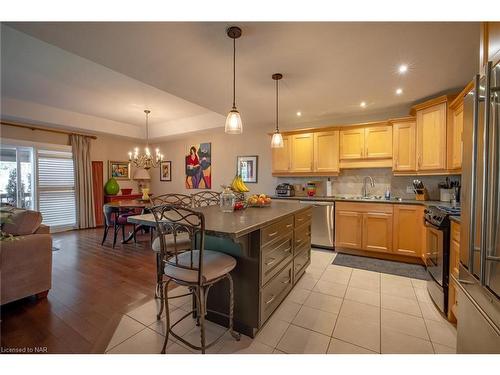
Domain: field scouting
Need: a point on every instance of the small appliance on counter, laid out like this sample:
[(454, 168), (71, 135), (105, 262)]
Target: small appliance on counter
[(285, 190), (449, 191)]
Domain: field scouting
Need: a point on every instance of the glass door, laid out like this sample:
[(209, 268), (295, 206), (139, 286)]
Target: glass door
[(16, 176)]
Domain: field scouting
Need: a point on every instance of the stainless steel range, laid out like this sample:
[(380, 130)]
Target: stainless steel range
[(437, 223)]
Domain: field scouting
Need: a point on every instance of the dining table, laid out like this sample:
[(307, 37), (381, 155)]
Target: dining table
[(135, 204)]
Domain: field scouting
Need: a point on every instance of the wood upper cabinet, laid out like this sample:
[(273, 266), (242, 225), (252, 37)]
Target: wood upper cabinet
[(489, 47), (431, 138), (408, 230), (348, 228), (281, 157), (302, 155), (326, 151), (455, 143), (378, 142), (352, 143), (377, 231), (404, 146)]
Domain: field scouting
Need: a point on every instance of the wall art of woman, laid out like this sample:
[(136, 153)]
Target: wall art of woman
[(198, 167)]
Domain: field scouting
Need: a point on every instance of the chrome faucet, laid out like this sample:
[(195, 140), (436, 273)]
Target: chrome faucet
[(372, 184)]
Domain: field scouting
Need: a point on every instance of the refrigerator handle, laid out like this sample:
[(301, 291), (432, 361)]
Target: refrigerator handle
[(473, 174), (486, 173)]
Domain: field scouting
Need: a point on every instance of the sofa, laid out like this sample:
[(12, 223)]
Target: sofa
[(25, 255)]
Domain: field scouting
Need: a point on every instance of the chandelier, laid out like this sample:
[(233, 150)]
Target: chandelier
[(145, 160)]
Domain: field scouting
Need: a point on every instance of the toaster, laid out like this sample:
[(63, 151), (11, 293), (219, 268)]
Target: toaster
[(285, 190)]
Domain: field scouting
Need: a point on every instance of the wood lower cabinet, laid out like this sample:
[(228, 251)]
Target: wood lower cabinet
[(378, 142), (431, 138), (408, 230), (404, 146), (326, 151), (454, 264), (281, 157), (377, 231), (348, 227), (302, 153)]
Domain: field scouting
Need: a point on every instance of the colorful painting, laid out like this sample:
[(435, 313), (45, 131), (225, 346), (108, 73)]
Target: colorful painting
[(119, 170), (166, 171), (199, 166), (247, 168)]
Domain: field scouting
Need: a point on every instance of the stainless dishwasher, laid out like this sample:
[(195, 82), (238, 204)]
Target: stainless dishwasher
[(323, 224)]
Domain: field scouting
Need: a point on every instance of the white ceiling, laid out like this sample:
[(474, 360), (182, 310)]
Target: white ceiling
[(182, 71)]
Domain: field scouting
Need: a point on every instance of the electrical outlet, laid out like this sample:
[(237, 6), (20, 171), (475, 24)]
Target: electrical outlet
[(409, 189)]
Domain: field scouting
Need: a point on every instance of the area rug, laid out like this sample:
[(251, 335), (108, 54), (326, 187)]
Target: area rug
[(414, 271)]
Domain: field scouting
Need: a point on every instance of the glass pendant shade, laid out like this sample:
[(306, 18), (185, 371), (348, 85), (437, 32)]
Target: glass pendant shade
[(233, 122), (277, 140)]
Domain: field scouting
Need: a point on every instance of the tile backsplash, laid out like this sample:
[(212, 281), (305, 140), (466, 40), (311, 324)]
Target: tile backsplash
[(350, 181)]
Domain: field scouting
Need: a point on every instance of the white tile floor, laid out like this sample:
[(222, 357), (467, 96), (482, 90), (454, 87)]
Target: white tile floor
[(333, 309)]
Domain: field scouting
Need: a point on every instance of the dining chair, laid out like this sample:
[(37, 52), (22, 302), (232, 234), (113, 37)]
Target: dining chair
[(182, 200), (205, 199), (197, 269), (113, 218)]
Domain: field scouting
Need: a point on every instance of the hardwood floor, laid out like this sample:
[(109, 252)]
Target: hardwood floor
[(92, 285)]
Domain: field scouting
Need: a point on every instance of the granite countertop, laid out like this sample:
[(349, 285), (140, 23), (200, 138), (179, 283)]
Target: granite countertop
[(237, 223), (348, 199)]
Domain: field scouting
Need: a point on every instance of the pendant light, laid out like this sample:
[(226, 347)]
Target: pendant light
[(277, 140), (233, 120)]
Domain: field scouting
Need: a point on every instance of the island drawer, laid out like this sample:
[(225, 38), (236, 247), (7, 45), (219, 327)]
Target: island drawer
[(274, 231), (303, 217), (302, 236), (300, 262), (274, 256), (275, 291)]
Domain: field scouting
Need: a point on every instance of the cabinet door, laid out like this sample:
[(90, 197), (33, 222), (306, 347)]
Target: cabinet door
[(407, 230), (348, 228), (431, 138), (302, 153), (378, 142), (281, 157), (404, 144), (352, 143), (456, 129), (326, 151), (377, 231)]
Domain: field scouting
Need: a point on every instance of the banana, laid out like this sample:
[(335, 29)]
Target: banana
[(243, 186)]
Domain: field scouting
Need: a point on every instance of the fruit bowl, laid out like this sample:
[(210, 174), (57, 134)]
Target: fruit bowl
[(259, 201)]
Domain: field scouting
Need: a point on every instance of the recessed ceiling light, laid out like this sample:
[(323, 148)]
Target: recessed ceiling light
[(299, 113), (403, 68), (399, 91), (362, 104)]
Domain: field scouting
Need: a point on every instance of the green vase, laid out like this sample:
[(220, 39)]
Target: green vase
[(111, 187)]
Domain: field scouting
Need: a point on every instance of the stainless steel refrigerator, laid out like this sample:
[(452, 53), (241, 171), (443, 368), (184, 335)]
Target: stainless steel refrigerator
[(478, 316)]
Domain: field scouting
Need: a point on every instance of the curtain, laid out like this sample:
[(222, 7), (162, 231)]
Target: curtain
[(85, 216)]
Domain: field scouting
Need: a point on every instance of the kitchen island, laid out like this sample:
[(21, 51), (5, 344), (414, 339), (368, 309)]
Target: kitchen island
[(272, 247)]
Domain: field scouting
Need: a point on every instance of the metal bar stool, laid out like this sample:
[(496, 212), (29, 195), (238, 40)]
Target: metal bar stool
[(205, 199), (183, 242), (197, 269)]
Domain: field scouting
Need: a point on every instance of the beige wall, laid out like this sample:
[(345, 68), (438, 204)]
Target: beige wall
[(104, 148), (225, 149)]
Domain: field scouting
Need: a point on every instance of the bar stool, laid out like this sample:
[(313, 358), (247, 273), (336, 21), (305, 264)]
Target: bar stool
[(197, 269), (205, 199), (182, 241)]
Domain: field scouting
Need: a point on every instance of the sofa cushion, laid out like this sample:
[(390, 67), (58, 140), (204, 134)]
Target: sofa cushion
[(22, 222)]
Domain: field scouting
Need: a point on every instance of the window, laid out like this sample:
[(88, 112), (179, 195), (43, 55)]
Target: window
[(56, 189), (16, 176)]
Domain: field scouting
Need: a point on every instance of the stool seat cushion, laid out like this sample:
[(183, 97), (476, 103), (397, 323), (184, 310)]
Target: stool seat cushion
[(215, 265), (183, 242)]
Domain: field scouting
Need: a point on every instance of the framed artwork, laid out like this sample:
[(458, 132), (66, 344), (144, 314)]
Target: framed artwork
[(119, 170), (166, 171), (246, 167), (199, 166)]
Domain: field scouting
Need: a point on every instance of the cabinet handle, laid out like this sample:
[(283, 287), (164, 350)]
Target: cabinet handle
[(272, 234), (286, 281), (289, 225), (271, 262), (361, 152), (419, 161), (270, 300)]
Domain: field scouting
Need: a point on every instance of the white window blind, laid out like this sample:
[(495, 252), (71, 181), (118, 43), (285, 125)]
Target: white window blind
[(56, 189)]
